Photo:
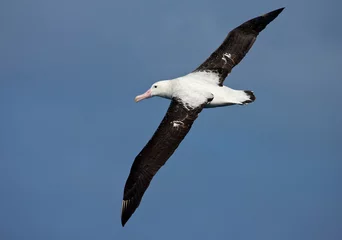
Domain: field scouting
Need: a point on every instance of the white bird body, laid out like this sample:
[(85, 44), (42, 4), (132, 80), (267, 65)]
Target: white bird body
[(195, 88)]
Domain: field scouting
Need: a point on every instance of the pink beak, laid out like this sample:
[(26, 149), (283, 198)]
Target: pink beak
[(147, 94)]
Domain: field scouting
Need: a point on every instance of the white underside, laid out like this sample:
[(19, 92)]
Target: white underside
[(195, 88), (225, 96)]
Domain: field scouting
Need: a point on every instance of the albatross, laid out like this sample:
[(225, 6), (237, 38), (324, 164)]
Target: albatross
[(189, 94)]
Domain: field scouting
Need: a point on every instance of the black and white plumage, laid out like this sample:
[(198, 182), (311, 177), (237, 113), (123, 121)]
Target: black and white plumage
[(203, 88)]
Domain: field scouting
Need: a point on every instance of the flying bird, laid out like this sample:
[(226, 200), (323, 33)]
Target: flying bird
[(189, 94)]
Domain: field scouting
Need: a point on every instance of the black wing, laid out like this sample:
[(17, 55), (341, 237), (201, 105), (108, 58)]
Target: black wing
[(236, 45), (171, 131)]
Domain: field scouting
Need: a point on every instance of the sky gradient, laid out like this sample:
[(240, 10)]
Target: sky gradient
[(70, 130)]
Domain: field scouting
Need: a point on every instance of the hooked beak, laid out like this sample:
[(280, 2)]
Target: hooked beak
[(147, 94)]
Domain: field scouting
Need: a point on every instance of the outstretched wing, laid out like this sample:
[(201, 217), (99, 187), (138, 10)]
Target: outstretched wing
[(235, 46), (171, 131)]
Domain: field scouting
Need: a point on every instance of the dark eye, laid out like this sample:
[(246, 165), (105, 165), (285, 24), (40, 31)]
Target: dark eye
[(155, 86)]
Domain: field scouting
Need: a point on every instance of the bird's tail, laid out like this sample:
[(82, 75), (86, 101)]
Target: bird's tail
[(232, 97), (240, 97), (249, 97)]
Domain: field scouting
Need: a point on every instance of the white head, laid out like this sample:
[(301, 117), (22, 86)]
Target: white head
[(160, 89)]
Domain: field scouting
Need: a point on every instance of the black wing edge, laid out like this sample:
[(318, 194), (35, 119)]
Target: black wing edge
[(236, 45), (156, 152)]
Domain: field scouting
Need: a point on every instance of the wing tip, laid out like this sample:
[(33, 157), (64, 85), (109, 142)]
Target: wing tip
[(259, 23), (270, 16), (123, 222), (273, 14), (124, 214)]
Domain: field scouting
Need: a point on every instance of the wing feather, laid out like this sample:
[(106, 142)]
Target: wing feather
[(236, 46), (170, 133)]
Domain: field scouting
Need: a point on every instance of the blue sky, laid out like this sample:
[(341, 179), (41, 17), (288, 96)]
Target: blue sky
[(70, 130)]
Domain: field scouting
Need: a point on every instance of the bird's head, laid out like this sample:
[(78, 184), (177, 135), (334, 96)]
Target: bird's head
[(160, 89)]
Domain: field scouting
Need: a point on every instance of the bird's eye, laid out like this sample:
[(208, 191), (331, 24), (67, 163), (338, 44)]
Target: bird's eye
[(155, 86)]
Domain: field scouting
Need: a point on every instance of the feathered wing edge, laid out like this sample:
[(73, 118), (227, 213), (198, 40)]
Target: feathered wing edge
[(170, 133), (236, 45)]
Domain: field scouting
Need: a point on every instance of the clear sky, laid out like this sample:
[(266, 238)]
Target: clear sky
[(70, 130)]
